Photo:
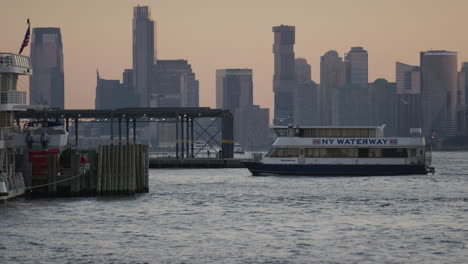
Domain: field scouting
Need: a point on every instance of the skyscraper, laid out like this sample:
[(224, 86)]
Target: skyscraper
[(462, 99), (111, 94), (144, 52), (284, 70), (357, 69), (234, 88), (46, 85), (174, 84), (234, 91), (332, 77), (408, 79), (384, 105), (303, 70), (439, 92)]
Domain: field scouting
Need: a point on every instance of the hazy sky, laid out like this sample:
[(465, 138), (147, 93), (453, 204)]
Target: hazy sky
[(216, 34)]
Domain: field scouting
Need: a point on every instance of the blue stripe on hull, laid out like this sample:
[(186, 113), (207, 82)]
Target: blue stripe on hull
[(334, 170)]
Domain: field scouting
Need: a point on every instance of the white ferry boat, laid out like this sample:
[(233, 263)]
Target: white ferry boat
[(11, 101), (42, 135), (343, 151)]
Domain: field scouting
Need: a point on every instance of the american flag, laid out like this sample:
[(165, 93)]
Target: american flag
[(26, 39)]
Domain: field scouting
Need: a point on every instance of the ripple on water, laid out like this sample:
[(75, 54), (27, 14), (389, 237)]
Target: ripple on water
[(226, 216)]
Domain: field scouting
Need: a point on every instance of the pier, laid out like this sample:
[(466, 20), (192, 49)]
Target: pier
[(112, 170)]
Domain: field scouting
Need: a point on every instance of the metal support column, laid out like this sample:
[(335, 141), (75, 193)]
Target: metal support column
[(120, 131), (112, 130), (134, 130), (191, 136), (177, 137), (187, 155), (182, 137), (127, 121), (227, 137), (67, 122), (76, 132)]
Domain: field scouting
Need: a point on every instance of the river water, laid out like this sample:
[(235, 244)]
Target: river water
[(228, 216)]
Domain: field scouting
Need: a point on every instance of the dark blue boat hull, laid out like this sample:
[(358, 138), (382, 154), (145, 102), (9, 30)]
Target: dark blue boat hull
[(257, 168)]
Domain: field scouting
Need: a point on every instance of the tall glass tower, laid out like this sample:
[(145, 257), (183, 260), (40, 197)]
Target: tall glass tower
[(284, 81), (144, 52), (439, 92), (47, 82)]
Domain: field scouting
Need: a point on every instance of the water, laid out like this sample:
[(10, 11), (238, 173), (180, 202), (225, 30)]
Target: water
[(227, 216)]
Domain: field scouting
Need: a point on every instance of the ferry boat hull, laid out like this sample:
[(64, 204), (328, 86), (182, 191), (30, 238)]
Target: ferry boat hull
[(258, 169)]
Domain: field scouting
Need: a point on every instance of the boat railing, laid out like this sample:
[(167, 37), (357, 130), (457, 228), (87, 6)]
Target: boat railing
[(13, 97)]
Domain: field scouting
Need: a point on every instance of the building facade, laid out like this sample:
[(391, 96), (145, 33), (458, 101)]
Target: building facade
[(303, 70), (284, 74), (174, 85), (439, 81), (46, 85), (384, 105), (462, 100), (234, 88), (357, 66), (307, 104), (234, 91), (332, 77), (408, 79), (144, 52), (111, 94)]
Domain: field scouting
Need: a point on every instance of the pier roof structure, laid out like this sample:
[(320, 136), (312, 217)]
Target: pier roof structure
[(183, 117), (154, 112)]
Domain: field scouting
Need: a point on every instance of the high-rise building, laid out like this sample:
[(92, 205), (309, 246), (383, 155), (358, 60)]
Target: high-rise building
[(306, 104), (357, 69), (234, 88), (234, 91), (439, 92), (303, 70), (408, 79), (384, 105), (464, 73), (111, 94), (174, 84), (332, 77), (462, 100), (353, 105), (46, 85), (144, 52), (284, 81)]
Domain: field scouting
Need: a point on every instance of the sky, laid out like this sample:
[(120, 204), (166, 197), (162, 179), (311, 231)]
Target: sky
[(218, 34)]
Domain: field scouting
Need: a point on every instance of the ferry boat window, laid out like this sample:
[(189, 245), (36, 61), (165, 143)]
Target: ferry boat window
[(291, 152), (363, 153), (394, 153), (375, 153), (331, 153), (412, 152), (283, 153)]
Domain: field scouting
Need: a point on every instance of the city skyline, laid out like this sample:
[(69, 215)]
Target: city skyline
[(226, 44)]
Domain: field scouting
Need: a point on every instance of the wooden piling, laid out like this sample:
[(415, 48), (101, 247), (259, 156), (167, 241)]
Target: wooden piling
[(99, 170)]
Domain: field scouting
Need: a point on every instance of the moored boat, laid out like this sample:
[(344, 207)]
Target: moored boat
[(11, 101), (343, 151)]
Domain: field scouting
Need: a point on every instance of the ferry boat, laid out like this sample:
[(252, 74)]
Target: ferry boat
[(42, 135), (343, 151), (11, 101)]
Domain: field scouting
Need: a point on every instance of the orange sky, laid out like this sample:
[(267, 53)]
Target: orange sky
[(216, 34)]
